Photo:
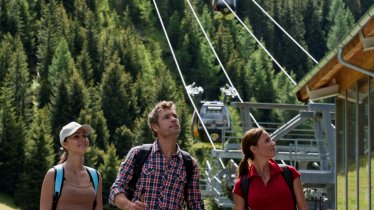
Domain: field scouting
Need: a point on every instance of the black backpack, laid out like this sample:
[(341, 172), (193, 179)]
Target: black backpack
[(139, 160), (286, 173)]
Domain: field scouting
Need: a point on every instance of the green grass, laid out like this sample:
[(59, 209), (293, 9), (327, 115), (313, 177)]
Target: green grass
[(352, 185), (6, 203)]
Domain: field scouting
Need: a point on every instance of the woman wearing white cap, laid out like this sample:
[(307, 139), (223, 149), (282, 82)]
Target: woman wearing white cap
[(70, 184)]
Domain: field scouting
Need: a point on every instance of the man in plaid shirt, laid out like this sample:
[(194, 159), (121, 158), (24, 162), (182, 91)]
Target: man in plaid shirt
[(162, 180)]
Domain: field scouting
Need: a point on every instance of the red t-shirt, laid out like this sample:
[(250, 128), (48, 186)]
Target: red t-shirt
[(276, 195)]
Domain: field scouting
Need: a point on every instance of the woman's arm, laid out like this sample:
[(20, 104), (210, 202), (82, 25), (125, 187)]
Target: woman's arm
[(299, 194), (239, 202), (46, 195)]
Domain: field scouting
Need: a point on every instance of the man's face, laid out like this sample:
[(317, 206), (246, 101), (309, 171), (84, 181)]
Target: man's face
[(168, 124)]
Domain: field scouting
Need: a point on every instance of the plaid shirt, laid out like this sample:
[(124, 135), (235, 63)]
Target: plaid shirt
[(161, 181)]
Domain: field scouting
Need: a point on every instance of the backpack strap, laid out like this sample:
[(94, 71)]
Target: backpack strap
[(187, 161), (59, 180), (286, 173), (138, 161), (244, 186), (94, 178)]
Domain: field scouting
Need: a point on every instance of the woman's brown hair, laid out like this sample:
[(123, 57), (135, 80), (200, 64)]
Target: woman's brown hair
[(63, 154), (250, 138)]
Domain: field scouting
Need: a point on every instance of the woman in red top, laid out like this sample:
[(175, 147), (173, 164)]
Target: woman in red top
[(268, 189)]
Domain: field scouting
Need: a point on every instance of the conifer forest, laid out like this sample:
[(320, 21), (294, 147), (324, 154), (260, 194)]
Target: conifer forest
[(107, 63)]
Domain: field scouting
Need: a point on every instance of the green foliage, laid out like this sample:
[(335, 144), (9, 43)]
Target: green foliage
[(106, 63), (260, 76), (69, 96), (341, 21), (39, 157), (62, 64), (5, 57), (14, 64), (124, 139), (7, 203), (315, 33), (93, 115), (117, 94), (84, 66), (283, 85), (12, 140), (108, 170), (49, 35)]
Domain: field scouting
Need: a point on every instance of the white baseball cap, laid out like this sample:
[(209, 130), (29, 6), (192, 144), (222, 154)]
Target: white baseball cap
[(71, 128)]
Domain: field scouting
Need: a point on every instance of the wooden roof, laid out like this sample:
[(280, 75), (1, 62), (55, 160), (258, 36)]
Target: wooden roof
[(329, 70)]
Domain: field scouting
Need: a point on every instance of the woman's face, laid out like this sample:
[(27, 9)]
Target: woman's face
[(77, 142), (265, 147)]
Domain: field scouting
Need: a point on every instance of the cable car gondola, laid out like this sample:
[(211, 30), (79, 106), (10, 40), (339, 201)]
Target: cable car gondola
[(216, 119), (222, 11)]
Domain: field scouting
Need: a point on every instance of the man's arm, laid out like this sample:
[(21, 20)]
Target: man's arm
[(194, 199), (121, 201), (124, 175)]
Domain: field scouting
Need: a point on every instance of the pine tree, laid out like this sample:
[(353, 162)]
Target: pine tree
[(78, 39), (62, 64), (80, 11), (48, 38), (24, 25), (10, 21), (93, 45), (108, 172), (262, 26), (93, 115), (134, 55), (355, 7), (184, 139), (60, 113), (175, 29), (94, 156), (282, 88), (84, 66), (235, 68), (314, 33), (244, 43), (124, 138), (289, 15), (242, 87), (144, 95), (117, 96), (341, 21), (167, 89), (5, 56), (259, 79), (12, 140), (20, 80), (66, 86), (39, 158), (69, 6)]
